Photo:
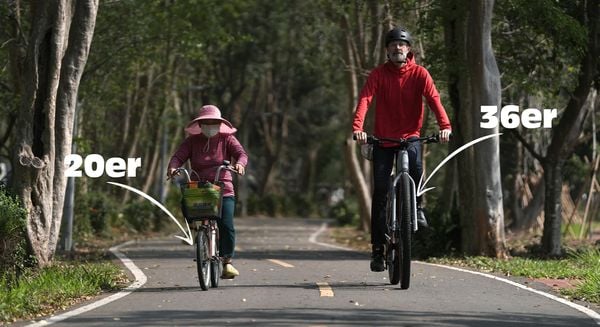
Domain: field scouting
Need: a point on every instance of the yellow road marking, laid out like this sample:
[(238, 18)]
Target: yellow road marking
[(325, 289), (281, 263)]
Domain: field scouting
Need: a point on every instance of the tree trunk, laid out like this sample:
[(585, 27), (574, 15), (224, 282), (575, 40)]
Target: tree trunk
[(551, 239), (56, 55), (567, 131), (362, 51), (482, 217), (486, 89)]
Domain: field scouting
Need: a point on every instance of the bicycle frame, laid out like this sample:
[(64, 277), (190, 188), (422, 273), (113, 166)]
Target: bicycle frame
[(402, 168), (211, 226)]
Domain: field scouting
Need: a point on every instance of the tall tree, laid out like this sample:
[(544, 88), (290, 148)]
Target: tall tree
[(566, 132), (543, 52), (475, 82), (363, 25), (51, 59)]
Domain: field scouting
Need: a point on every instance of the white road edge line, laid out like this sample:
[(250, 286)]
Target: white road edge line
[(140, 280), (589, 312), (281, 263), (323, 228)]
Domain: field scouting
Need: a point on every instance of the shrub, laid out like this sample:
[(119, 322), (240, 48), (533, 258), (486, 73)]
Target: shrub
[(142, 216), (13, 235), (443, 235), (345, 213), (93, 212)]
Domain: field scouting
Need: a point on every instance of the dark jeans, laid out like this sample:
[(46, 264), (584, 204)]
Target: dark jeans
[(226, 228), (383, 162)]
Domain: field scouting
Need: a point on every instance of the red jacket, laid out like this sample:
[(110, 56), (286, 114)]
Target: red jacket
[(399, 93)]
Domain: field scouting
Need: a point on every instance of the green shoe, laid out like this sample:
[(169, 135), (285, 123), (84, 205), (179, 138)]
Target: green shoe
[(229, 271)]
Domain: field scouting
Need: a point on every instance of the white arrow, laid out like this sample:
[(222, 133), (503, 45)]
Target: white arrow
[(421, 189), (188, 235)]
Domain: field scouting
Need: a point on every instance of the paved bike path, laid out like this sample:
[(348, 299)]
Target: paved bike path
[(288, 281)]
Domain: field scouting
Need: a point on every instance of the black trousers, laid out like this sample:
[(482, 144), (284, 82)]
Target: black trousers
[(383, 162)]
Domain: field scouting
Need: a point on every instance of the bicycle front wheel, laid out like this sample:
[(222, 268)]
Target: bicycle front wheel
[(393, 259), (215, 262), (404, 208), (215, 272), (203, 259)]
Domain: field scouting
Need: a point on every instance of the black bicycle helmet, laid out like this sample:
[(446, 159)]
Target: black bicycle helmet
[(398, 34)]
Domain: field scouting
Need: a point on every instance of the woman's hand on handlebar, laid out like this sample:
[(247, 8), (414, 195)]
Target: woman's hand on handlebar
[(444, 135), (240, 169), (172, 172), (360, 137)]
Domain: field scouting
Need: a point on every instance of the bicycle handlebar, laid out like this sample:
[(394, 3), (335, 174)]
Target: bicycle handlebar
[(372, 139), (225, 165)]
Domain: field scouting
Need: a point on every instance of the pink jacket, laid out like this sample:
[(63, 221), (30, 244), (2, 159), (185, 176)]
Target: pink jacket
[(206, 155)]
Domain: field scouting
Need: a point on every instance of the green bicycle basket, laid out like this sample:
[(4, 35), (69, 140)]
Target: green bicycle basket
[(202, 200)]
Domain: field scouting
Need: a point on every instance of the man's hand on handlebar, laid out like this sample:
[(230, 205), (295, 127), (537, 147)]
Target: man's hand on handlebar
[(360, 137), (444, 135)]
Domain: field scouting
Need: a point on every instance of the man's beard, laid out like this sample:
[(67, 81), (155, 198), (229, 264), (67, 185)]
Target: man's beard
[(398, 57)]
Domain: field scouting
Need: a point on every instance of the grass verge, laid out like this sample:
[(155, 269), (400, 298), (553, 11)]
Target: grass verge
[(580, 269), (39, 293)]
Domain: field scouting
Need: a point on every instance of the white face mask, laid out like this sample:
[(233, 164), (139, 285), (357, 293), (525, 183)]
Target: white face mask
[(210, 130)]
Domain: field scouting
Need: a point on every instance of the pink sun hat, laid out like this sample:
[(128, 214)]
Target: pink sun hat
[(209, 112)]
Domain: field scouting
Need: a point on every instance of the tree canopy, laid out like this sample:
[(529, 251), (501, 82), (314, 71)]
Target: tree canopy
[(287, 73)]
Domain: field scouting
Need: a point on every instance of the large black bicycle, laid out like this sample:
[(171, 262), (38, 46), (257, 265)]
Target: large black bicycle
[(401, 210)]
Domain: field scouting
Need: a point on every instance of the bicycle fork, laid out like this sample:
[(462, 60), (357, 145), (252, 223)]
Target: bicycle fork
[(402, 169), (213, 240)]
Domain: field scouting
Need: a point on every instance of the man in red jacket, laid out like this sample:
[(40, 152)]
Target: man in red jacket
[(399, 86)]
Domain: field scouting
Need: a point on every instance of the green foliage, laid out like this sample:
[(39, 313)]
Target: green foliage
[(345, 213), (141, 216), (94, 212), (273, 205), (285, 205), (545, 39), (13, 234), (54, 287), (589, 262), (576, 171), (442, 236)]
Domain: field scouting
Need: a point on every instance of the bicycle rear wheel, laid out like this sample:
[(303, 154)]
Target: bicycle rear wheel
[(203, 258), (404, 208)]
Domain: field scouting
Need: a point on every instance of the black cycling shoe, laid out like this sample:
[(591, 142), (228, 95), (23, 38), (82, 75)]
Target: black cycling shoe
[(377, 262), (421, 220)]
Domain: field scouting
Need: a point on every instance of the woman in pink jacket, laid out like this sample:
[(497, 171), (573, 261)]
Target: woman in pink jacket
[(211, 141)]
